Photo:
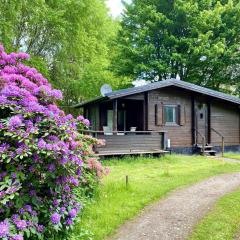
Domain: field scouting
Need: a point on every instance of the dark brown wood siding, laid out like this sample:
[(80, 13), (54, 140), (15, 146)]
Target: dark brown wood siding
[(181, 134), (225, 118), (132, 142)]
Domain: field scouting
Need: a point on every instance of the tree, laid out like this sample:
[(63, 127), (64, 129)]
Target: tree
[(69, 41), (199, 40)]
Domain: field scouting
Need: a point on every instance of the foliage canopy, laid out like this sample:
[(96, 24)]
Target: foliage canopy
[(199, 40), (69, 41)]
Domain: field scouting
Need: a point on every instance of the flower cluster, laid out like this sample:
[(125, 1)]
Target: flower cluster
[(43, 157)]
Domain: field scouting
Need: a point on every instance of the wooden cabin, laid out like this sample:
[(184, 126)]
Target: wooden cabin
[(166, 115)]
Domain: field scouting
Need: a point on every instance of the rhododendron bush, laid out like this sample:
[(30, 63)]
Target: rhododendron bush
[(43, 157)]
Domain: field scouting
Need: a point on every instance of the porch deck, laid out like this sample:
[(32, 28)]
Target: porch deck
[(119, 143)]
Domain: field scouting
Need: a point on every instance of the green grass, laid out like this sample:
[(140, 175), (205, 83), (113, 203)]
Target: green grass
[(232, 155), (149, 180), (222, 223)]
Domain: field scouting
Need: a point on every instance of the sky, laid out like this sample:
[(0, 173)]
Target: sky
[(115, 6)]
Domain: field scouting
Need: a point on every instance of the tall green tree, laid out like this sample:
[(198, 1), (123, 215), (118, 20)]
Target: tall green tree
[(197, 39), (69, 41)]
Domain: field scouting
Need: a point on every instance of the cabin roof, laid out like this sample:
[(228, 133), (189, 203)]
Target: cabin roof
[(163, 84)]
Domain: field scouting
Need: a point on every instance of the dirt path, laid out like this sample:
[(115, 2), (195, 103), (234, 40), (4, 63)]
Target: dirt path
[(175, 216), (220, 158)]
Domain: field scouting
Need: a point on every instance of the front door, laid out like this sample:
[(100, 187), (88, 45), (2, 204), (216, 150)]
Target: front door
[(202, 122), (121, 120)]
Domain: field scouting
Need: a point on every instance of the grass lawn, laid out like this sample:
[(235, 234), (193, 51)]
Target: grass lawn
[(232, 155), (149, 180), (223, 222)]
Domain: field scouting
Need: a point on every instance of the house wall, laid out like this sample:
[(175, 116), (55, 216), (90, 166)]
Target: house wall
[(180, 135), (225, 118)]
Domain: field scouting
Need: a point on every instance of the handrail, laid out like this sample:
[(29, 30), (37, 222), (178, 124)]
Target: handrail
[(219, 134), (203, 141)]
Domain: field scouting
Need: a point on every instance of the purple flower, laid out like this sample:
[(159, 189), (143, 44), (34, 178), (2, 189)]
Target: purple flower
[(4, 229), (51, 167), (32, 193), (21, 224), (74, 181), (69, 221), (63, 160), (80, 118), (72, 213), (28, 208), (78, 171), (2, 194), (23, 55), (30, 223), (57, 94), (42, 144), (40, 228), (3, 174), (86, 122), (21, 211), (55, 203), (4, 147), (67, 188), (34, 213), (14, 175), (15, 122), (55, 218), (17, 237), (15, 217), (62, 210)]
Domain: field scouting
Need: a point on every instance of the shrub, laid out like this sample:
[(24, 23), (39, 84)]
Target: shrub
[(43, 157)]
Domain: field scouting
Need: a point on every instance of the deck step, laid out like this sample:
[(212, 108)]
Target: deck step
[(206, 147), (210, 152)]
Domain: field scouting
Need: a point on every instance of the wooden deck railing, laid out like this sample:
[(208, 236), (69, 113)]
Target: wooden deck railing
[(130, 141)]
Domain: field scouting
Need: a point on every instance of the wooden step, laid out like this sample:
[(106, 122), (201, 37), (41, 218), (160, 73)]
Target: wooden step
[(206, 147), (210, 152)]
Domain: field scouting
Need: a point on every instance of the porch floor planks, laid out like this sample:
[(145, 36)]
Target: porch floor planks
[(129, 152)]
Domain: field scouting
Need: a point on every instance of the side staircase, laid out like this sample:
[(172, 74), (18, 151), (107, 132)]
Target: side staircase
[(206, 150)]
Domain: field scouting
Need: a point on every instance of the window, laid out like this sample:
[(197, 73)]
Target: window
[(171, 114)]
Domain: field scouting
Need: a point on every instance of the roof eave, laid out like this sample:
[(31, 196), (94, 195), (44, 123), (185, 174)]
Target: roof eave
[(95, 100)]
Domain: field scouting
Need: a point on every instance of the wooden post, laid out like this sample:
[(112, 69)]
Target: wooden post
[(127, 181), (115, 114), (164, 139), (194, 137), (146, 100), (209, 121), (222, 146), (203, 146)]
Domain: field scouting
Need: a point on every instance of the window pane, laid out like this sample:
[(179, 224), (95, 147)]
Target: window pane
[(170, 114)]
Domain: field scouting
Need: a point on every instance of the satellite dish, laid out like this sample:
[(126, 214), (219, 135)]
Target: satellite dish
[(105, 89)]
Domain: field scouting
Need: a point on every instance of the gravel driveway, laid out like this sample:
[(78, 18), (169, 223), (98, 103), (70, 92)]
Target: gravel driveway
[(175, 216)]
